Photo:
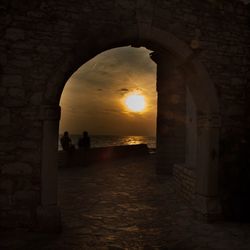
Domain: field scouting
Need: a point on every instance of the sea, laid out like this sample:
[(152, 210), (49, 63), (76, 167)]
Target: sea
[(98, 141)]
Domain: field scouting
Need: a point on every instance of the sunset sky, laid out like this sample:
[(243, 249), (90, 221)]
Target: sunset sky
[(94, 97)]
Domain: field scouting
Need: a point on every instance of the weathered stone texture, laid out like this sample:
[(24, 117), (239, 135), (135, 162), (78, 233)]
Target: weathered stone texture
[(185, 182), (42, 38)]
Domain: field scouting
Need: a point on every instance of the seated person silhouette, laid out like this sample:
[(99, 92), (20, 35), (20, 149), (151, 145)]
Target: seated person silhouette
[(84, 141), (66, 142)]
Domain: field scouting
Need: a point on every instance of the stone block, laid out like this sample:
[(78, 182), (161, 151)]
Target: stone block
[(4, 116), (29, 157), (7, 146), (23, 45), (14, 34), (26, 197), (17, 218), (3, 58), (12, 81), (184, 183), (34, 133), (16, 92), (30, 113), (3, 91), (7, 186), (13, 102), (5, 201), (207, 205), (28, 144), (16, 169), (22, 62), (36, 98)]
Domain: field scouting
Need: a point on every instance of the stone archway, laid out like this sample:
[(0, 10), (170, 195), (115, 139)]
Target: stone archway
[(182, 59)]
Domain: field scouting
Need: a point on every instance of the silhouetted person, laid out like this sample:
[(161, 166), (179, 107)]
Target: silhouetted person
[(66, 142), (84, 141)]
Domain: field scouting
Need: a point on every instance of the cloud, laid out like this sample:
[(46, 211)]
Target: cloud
[(111, 110), (95, 91), (123, 90), (116, 66)]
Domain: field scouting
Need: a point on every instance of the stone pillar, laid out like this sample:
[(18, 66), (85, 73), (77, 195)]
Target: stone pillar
[(206, 202), (170, 114), (49, 218)]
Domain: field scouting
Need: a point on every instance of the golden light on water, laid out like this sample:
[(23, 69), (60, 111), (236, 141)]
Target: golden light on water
[(135, 102)]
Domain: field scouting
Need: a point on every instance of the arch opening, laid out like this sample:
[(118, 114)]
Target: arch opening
[(102, 96), (98, 90), (175, 63)]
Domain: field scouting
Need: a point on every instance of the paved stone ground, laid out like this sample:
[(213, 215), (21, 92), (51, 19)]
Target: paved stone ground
[(124, 205)]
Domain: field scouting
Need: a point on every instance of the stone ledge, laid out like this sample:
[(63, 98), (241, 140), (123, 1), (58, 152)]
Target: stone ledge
[(81, 157)]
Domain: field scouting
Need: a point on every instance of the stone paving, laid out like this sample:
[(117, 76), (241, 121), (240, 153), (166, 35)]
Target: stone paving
[(125, 205)]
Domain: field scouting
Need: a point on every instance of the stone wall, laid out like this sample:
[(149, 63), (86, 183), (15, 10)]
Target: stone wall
[(43, 42), (171, 114), (191, 132), (185, 174), (184, 179)]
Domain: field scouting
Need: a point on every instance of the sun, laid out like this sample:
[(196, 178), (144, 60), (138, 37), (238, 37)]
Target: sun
[(135, 102)]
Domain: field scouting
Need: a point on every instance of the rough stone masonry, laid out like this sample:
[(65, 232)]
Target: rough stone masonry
[(43, 42)]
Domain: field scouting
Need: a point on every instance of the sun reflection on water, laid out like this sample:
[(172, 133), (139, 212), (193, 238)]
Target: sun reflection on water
[(132, 140)]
